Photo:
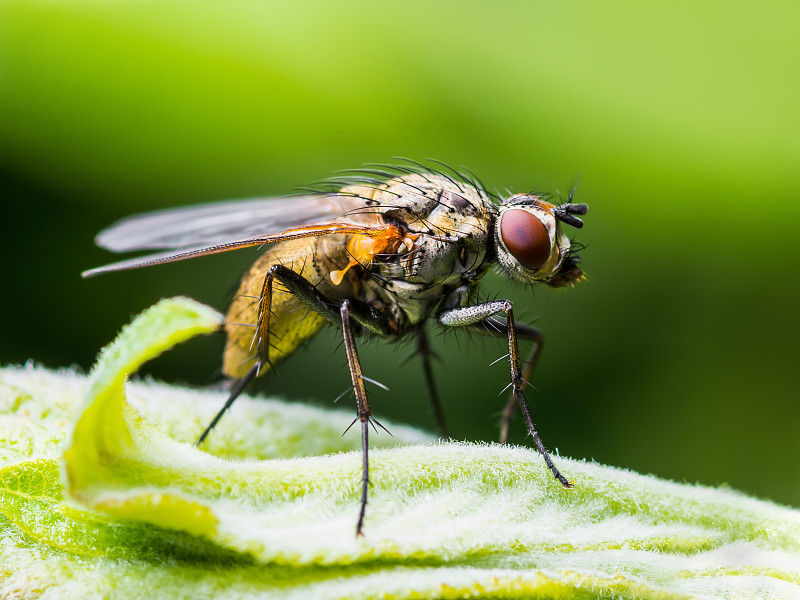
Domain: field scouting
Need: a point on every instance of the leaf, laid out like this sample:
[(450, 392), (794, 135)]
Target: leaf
[(157, 516)]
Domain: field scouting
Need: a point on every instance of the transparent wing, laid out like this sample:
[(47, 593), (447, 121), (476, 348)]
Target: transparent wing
[(383, 230), (218, 222)]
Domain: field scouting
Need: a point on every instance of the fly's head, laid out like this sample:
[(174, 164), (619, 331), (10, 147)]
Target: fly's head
[(530, 245)]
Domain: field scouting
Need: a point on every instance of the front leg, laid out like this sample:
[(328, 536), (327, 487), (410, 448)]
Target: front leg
[(469, 316), (497, 328)]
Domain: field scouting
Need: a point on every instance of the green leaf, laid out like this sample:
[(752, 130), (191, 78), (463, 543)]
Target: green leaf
[(270, 508)]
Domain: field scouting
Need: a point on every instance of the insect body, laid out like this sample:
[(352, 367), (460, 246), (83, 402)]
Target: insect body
[(381, 252)]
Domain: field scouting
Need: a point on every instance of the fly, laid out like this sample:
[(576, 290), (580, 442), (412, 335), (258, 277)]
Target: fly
[(381, 251)]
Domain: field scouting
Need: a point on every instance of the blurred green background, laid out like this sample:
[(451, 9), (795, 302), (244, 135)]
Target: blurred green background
[(676, 356)]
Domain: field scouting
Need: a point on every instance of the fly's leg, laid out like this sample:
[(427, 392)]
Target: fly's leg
[(261, 341), (381, 323), (365, 315), (516, 378), (343, 314), (424, 349), (238, 388), (469, 316), (533, 335), (496, 328), (363, 413)]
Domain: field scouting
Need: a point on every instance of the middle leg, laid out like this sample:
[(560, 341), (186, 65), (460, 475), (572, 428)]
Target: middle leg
[(425, 353), (363, 412)]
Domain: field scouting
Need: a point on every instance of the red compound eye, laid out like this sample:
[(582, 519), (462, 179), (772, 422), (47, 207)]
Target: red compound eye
[(526, 238)]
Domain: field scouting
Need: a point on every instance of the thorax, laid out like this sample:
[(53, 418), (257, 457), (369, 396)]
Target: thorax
[(451, 228)]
